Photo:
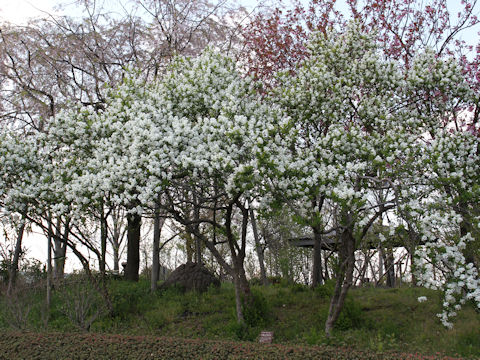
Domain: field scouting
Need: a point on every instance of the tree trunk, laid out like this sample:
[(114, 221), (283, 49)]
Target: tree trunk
[(317, 257), (157, 229), (344, 278), (103, 242), (198, 244), (380, 264), (412, 266), (60, 251), (49, 264), (189, 246), (326, 275), (258, 249), (12, 278), (198, 251), (390, 267), (116, 260), (243, 295), (133, 247)]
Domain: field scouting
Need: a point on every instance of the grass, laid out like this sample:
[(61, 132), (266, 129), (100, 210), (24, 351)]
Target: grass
[(375, 320)]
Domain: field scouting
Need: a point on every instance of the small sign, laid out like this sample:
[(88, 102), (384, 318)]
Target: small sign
[(266, 337)]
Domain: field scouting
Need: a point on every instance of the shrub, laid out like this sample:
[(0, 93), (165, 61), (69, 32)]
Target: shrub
[(128, 297), (326, 290), (257, 311), (81, 303), (350, 317), (241, 331)]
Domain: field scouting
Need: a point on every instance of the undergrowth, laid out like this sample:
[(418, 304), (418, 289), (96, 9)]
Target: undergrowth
[(374, 320)]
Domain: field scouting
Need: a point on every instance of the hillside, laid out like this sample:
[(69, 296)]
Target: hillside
[(374, 320)]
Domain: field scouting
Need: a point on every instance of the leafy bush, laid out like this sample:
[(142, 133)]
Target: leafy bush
[(350, 317), (129, 297), (80, 302), (326, 290), (241, 332), (257, 311), (297, 288)]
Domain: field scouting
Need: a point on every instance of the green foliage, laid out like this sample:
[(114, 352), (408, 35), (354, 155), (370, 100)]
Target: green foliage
[(241, 332), (351, 315), (373, 320), (257, 311), (383, 341), (315, 336), (129, 297), (325, 290), (80, 302)]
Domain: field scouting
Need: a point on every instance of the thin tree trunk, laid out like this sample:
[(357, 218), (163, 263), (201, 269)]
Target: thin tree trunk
[(60, 251), (189, 246), (238, 301), (198, 244), (49, 264), (157, 228), (412, 266), (103, 242), (116, 260), (326, 275), (133, 247), (390, 262), (198, 251), (317, 257), (16, 258), (243, 295), (380, 265), (344, 278), (258, 249)]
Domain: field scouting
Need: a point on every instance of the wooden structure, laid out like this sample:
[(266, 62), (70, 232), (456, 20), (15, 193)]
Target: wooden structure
[(330, 241)]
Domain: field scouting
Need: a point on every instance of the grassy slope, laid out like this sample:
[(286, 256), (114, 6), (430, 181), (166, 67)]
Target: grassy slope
[(376, 320)]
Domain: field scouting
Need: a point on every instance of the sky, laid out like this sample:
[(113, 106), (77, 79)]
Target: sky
[(18, 11)]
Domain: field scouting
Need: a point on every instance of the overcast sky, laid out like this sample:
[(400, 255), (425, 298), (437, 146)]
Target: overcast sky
[(18, 11)]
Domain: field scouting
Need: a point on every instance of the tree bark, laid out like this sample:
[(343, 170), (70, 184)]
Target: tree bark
[(133, 247), (103, 242), (344, 278), (381, 264), (198, 243), (60, 251), (157, 229), (390, 267), (117, 238), (317, 271), (49, 264), (258, 249), (243, 295), (12, 278)]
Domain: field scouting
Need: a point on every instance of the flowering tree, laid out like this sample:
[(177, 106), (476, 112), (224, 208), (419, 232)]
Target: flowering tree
[(277, 39), (356, 124), (189, 140), (215, 135), (447, 219), (20, 167)]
